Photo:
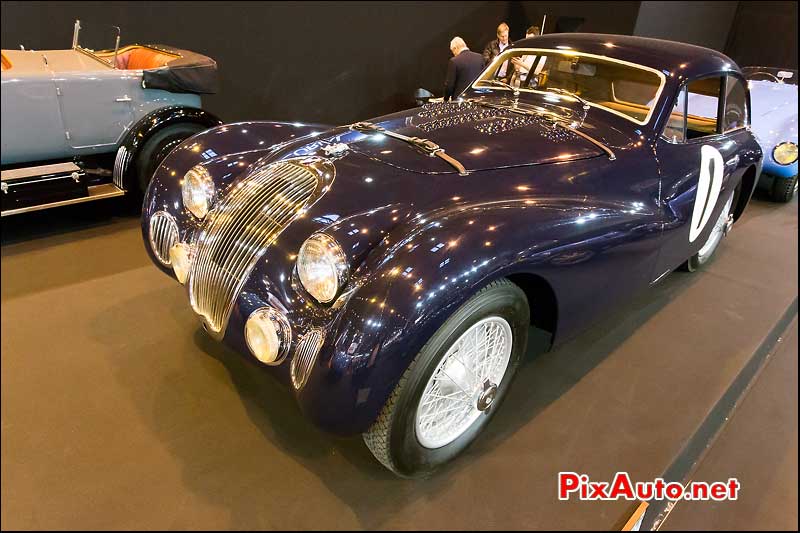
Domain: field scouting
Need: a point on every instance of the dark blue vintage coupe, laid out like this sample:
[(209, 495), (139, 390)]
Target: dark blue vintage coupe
[(389, 270)]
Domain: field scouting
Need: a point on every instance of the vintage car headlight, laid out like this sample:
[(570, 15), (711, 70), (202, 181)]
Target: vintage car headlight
[(180, 257), (785, 153), (322, 267), (197, 191), (268, 335)]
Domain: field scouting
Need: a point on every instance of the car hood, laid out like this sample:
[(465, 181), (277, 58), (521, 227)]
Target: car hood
[(478, 137)]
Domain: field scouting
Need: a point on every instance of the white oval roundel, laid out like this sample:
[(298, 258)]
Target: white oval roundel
[(708, 187)]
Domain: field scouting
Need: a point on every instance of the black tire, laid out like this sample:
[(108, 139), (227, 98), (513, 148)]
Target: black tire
[(158, 146), (392, 437), (783, 189)]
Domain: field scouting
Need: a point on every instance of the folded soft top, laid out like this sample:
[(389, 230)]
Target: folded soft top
[(187, 72)]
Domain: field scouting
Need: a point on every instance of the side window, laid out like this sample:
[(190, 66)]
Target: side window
[(674, 130), (703, 107), (735, 115)]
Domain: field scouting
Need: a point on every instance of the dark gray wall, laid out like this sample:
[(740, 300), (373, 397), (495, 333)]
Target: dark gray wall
[(701, 23), (764, 33), (599, 17), (330, 62), (337, 62)]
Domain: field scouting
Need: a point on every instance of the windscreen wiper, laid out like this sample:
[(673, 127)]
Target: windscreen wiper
[(559, 90), (515, 90), (425, 146)]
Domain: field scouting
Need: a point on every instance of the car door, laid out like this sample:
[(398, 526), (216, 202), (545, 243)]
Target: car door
[(698, 159), (96, 108), (31, 121)]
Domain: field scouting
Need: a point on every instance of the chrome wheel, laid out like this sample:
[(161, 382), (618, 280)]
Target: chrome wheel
[(464, 384), (717, 232)]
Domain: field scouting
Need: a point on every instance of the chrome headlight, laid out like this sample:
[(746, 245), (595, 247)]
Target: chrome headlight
[(322, 267), (197, 190), (268, 335), (785, 153)]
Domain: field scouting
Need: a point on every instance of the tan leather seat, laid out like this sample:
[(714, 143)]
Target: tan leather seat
[(144, 58), (139, 58)]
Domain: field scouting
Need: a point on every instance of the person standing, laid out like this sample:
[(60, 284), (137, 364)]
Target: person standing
[(524, 64), (463, 68), (495, 48)]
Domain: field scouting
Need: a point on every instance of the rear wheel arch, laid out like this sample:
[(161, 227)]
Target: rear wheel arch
[(744, 191), (541, 299)]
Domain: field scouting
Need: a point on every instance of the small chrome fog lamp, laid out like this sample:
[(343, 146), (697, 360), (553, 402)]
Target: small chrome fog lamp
[(268, 335)]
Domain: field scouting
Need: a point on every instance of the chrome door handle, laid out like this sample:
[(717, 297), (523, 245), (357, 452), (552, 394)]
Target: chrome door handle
[(125, 98)]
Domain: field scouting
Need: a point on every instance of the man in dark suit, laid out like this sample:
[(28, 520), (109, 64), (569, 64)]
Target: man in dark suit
[(462, 70)]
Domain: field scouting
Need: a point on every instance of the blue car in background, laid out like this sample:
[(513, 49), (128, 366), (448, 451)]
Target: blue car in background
[(773, 94)]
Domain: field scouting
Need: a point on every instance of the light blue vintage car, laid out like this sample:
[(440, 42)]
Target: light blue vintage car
[(81, 125), (773, 95)]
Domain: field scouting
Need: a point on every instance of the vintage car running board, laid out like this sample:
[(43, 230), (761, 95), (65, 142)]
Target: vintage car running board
[(96, 192), (42, 170)]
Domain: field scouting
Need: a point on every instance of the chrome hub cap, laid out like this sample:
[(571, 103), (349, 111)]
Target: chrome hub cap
[(717, 232), (487, 395), (465, 382)]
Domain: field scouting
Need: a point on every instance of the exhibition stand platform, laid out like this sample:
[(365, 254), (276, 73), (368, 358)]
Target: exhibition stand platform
[(119, 412)]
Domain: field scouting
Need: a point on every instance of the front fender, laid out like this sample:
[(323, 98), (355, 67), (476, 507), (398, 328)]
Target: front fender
[(404, 291), (140, 133)]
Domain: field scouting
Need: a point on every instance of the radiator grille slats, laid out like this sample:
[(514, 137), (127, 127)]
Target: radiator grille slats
[(238, 232), (307, 349), (163, 234)]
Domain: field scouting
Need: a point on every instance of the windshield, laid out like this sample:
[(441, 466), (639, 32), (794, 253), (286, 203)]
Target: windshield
[(99, 41), (625, 89)]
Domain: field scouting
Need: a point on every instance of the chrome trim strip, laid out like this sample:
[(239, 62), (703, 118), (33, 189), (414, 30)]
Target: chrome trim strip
[(96, 192), (603, 147), (120, 163)]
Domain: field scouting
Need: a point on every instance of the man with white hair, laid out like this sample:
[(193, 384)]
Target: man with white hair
[(464, 67)]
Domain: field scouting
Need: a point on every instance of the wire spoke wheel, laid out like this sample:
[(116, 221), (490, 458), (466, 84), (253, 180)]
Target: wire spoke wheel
[(464, 384), (717, 232)]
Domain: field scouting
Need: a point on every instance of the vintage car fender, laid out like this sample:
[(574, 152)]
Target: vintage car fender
[(243, 144), (404, 290), (138, 135)]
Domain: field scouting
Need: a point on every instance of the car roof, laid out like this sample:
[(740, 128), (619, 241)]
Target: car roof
[(686, 60)]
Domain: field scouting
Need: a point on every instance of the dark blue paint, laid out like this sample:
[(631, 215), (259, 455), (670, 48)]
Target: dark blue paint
[(422, 239)]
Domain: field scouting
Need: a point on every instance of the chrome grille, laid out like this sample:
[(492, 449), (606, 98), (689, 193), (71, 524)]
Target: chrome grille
[(238, 232), (163, 234), (307, 349), (120, 162)]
